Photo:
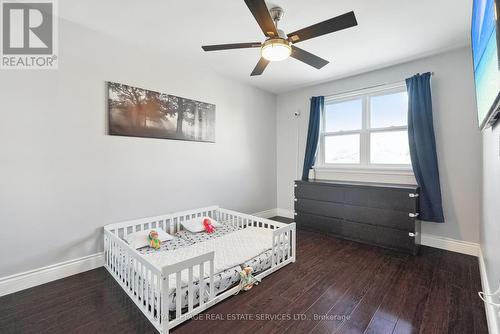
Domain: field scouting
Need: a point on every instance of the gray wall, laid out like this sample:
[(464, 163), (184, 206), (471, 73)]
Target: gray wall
[(490, 227), (62, 178), (457, 135)]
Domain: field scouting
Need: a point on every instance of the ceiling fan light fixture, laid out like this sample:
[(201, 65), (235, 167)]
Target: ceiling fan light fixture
[(279, 45), (276, 49)]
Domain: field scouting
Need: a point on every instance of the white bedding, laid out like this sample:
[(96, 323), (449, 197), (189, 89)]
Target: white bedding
[(230, 250)]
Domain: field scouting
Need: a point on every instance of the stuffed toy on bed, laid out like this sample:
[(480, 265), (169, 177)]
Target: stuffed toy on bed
[(153, 240), (247, 280), (209, 228)]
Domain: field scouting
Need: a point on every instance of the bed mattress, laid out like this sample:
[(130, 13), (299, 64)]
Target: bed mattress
[(185, 238), (259, 263), (223, 280)]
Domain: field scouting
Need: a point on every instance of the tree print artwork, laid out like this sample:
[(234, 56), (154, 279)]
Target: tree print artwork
[(139, 112)]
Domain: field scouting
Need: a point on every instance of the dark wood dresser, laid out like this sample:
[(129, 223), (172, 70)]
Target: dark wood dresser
[(373, 213)]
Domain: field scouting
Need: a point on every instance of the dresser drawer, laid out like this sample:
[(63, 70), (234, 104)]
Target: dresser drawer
[(320, 193), (396, 239), (381, 217), (366, 215), (388, 199), (371, 234), (317, 223), (328, 209)]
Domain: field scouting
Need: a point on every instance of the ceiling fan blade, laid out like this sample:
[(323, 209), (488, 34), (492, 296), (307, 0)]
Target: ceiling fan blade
[(344, 21), (231, 46), (308, 58), (260, 67), (261, 13)]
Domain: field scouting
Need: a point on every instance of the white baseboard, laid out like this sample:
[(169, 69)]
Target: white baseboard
[(267, 213), (492, 314), (452, 245), (28, 279)]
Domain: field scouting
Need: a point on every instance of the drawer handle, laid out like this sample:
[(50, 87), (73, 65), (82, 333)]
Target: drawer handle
[(411, 234), (412, 195), (413, 215)]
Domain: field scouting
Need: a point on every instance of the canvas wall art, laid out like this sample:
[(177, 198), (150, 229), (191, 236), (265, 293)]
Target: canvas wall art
[(139, 112)]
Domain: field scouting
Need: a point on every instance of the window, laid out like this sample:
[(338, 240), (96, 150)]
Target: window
[(366, 129)]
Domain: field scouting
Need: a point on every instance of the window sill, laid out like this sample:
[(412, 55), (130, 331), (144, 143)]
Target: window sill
[(398, 175), (365, 169)]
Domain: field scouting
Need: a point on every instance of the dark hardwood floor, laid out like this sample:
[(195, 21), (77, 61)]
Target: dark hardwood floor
[(335, 286)]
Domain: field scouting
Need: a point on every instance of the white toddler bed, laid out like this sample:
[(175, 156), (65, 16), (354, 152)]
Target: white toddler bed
[(153, 278)]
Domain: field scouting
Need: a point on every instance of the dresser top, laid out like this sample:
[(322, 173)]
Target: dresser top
[(360, 184)]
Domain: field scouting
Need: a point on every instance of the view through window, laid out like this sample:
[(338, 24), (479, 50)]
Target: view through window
[(366, 129)]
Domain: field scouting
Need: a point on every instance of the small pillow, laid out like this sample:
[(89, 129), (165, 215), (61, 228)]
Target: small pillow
[(140, 239), (195, 225)]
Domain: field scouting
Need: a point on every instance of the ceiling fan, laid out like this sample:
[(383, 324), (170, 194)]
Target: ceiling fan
[(278, 45)]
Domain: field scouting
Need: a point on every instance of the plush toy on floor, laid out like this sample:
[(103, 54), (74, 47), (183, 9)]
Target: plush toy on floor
[(153, 240), (209, 228), (247, 280)]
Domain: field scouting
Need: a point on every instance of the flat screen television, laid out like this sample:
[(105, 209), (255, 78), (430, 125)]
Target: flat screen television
[(485, 39)]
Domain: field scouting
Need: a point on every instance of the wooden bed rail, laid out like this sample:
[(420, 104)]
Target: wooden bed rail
[(283, 244), (170, 223), (238, 219), (139, 279), (177, 269)]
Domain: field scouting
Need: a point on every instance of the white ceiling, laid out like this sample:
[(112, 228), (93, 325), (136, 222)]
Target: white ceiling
[(388, 32)]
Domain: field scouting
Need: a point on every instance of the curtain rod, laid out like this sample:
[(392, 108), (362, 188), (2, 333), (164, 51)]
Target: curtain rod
[(369, 87)]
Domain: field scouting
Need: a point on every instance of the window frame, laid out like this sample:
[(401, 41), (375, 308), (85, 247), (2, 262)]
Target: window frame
[(364, 133)]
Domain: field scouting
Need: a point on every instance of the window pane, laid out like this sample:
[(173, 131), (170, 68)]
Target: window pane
[(342, 149), (389, 148), (389, 110), (343, 116)]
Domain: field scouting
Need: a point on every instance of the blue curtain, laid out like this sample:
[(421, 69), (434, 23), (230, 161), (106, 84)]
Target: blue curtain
[(317, 103), (423, 147)]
